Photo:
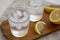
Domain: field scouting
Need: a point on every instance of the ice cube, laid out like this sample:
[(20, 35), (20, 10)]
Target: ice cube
[(17, 14), (14, 14)]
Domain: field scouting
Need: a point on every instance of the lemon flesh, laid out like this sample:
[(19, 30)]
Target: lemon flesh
[(56, 15)]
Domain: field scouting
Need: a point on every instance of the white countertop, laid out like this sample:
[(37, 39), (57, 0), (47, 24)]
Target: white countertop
[(4, 4), (54, 2)]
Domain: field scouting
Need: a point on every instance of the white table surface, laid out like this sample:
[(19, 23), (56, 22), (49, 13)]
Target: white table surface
[(5, 4)]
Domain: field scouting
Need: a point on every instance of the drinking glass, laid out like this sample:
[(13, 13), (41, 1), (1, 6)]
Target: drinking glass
[(35, 8), (19, 21)]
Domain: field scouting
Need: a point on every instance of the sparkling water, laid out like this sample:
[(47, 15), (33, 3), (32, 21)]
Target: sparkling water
[(36, 8), (19, 22)]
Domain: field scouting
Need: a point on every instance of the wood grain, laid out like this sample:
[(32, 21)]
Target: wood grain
[(50, 27)]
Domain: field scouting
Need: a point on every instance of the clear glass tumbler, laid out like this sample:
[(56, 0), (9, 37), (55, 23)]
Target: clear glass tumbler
[(19, 21), (35, 8)]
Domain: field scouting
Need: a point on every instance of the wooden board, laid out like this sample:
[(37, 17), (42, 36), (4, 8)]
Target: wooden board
[(49, 28)]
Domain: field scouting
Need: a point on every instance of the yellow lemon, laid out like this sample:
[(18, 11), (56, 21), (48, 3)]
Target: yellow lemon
[(49, 9), (39, 26), (55, 16)]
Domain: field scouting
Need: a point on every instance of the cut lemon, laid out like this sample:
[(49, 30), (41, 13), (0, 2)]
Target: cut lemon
[(49, 9), (55, 16), (39, 26)]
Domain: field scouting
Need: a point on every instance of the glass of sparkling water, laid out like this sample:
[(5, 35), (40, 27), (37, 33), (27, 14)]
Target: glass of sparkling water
[(19, 21), (35, 8)]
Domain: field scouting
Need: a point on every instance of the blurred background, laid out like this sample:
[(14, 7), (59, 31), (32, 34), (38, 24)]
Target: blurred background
[(6, 4)]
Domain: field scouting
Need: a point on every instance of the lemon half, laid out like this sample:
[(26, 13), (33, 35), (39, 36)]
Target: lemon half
[(55, 16), (39, 26)]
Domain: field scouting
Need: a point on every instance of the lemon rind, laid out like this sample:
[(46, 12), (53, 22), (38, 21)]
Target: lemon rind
[(50, 9)]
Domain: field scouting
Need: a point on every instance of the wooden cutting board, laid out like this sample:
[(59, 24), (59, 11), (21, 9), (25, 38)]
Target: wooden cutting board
[(32, 35)]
